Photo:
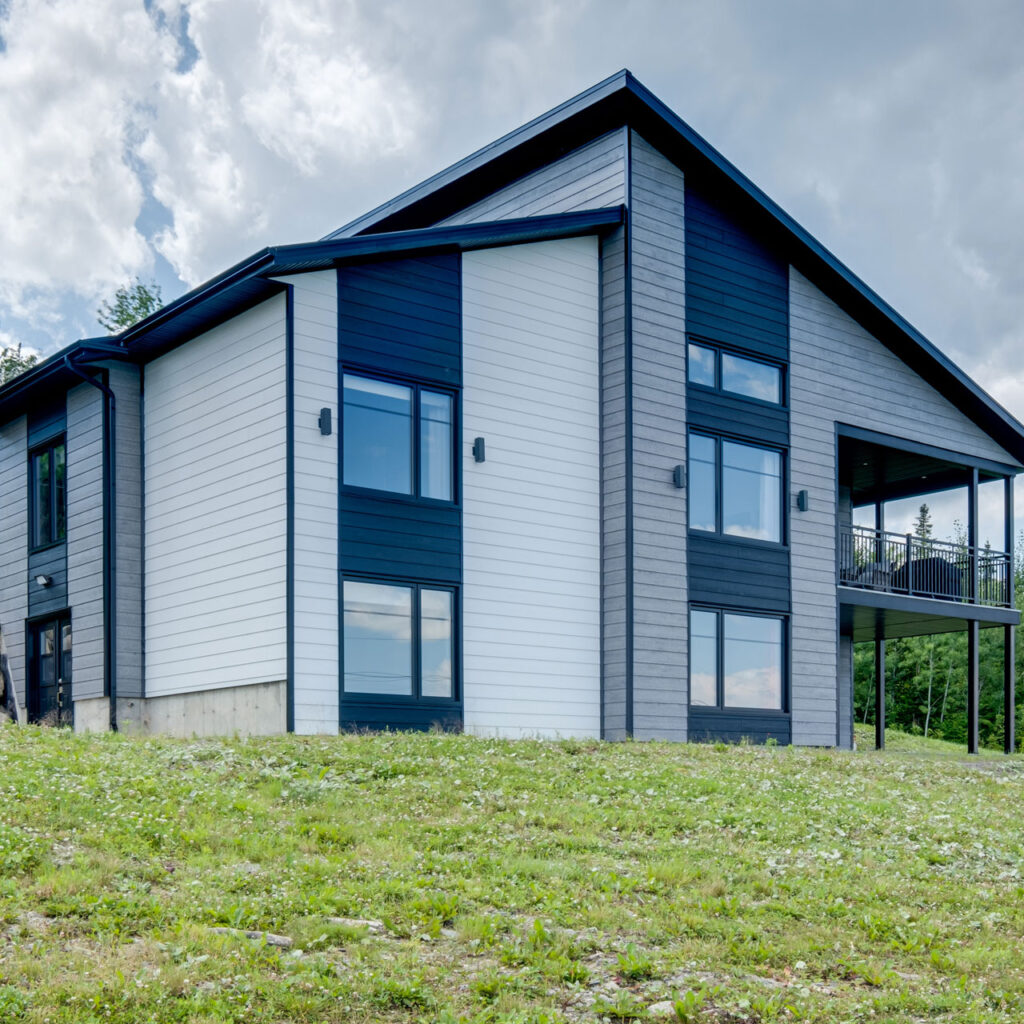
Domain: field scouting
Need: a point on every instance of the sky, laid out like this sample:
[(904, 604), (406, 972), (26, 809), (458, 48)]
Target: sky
[(168, 139)]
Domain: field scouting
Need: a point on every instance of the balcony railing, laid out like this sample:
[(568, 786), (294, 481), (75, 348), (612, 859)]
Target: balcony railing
[(906, 564)]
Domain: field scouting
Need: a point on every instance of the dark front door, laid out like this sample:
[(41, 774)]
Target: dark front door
[(49, 681)]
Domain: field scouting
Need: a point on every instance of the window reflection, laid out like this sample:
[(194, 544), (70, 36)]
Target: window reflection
[(377, 638), (753, 661), (436, 643), (377, 435)]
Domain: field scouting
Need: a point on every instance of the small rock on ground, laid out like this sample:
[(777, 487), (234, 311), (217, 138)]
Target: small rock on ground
[(268, 937)]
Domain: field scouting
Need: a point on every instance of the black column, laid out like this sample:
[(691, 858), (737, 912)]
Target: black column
[(1009, 632), (879, 693), (972, 686)]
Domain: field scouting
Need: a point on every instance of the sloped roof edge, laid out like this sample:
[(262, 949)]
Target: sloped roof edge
[(620, 100)]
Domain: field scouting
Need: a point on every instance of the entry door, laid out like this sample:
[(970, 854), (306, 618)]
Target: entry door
[(50, 672)]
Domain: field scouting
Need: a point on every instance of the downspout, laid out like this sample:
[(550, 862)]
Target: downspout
[(109, 537)]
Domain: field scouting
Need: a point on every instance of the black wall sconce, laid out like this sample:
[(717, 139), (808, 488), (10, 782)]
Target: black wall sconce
[(803, 502), (679, 477), (479, 450), (325, 422)]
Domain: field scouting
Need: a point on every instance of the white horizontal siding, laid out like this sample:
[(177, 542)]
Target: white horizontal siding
[(316, 502), (215, 523), (840, 373), (14, 546), (531, 519)]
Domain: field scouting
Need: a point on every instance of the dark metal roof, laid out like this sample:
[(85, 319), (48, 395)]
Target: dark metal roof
[(253, 280), (622, 100)]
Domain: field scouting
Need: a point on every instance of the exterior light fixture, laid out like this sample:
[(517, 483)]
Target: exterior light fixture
[(479, 450), (44, 581), (803, 502)]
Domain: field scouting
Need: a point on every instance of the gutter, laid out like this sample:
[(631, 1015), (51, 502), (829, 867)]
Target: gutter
[(109, 533)]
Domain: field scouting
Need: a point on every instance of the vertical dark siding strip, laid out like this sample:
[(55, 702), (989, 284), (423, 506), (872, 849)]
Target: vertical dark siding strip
[(289, 374), (142, 528)]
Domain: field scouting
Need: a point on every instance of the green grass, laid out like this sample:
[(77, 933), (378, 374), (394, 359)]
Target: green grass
[(516, 882)]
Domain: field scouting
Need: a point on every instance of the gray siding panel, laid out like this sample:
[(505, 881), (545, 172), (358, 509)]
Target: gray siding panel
[(126, 384), (840, 372), (590, 177), (85, 540), (613, 484), (14, 545), (659, 443)]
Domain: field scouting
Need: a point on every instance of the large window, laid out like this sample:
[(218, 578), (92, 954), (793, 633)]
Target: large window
[(724, 371), (397, 438), (736, 661), (48, 474), (735, 488), (398, 640)]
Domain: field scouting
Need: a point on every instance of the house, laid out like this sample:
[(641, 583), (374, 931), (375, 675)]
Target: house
[(568, 440)]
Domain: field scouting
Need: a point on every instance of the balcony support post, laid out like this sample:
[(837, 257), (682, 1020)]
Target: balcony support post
[(973, 687), (1009, 689), (879, 693), (972, 534)]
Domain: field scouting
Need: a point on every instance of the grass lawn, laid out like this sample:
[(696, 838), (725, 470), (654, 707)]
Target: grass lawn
[(505, 881)]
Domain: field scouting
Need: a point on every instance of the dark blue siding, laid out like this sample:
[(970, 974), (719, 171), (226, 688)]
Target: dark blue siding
[(52, 562), (736, 574), (404, 540), (737, 726), (403, 316), (44, 424), (720, 413), (737, 290)]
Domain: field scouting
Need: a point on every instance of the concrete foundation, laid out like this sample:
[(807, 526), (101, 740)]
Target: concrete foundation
[(256, 710)]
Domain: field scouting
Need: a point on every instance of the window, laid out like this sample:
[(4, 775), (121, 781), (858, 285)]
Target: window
[(48, 489), (737, 375), (397, 438), (735, 489), (736, 661), (398, 640)]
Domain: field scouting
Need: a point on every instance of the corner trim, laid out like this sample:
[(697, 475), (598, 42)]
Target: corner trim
[(289, 376), (628, 385)]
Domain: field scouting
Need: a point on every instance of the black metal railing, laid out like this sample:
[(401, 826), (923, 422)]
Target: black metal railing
[(920, 567)]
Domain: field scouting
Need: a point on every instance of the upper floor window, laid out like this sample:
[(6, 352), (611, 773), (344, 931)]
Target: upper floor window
[(735, 488), (48, 488), (397, 438), (738, 375)]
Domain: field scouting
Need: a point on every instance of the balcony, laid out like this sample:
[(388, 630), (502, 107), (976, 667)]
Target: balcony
[(892, 563)]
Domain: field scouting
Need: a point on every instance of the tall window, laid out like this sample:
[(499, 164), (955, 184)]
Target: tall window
[(398, 640), (48, 488), (724, 371), (736, 661), (735, 488), (397, 438)]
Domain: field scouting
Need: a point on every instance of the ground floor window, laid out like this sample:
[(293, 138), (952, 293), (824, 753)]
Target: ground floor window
[(399, 639), (736, 660)]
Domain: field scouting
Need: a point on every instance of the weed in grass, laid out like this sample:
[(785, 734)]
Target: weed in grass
[(622, 1006), (634, 964)]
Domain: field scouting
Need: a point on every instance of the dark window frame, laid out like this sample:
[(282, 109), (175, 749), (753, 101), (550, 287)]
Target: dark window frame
[(58, 516), (719, 350), (416, 386), (720, 707), (718, 531), (416, 698)]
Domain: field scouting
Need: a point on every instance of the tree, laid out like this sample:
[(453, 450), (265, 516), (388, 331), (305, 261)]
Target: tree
[(13, 361), (923, 523), (131, 304)]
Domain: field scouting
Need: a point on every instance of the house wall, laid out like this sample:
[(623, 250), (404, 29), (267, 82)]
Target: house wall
[(659, 444), (315, 375), (85, 541), (590, 177), (215, 508), (14, 546), (532, 522), (839, 372)]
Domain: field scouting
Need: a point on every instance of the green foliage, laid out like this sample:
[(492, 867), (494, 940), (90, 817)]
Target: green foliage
[(14, 361), (131, 304), (926, 680)]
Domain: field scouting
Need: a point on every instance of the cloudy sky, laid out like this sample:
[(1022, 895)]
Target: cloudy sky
[(170, 139)]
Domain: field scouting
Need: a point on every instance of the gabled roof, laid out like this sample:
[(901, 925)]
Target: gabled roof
[(621, 100), (255, 279)]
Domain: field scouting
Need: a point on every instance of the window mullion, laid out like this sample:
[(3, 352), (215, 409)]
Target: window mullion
[(417, 643), (417, 428), (720, 658)]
